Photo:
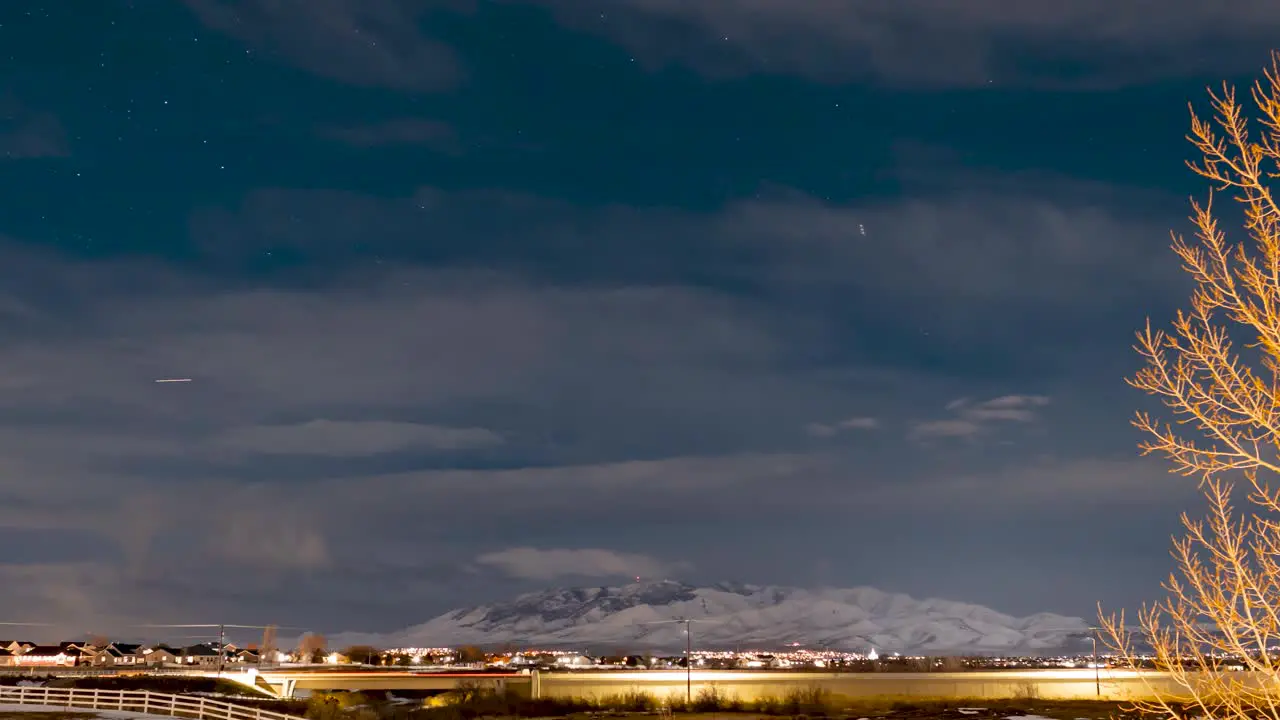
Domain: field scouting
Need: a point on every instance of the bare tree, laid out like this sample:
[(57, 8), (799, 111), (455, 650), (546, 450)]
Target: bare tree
[(268, 651), (1218, 371), (311, 647)]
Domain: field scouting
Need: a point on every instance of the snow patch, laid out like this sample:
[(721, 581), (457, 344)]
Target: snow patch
[(640, 615)]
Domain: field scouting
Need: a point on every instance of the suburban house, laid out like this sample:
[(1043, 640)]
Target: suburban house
[(159, 655), (201, 655), (575, 660), (7, 658), (61, 655), (126, 654), (247, 656), (15, 646)]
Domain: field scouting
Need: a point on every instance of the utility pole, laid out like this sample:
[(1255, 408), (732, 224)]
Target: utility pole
[(222, 635), (688, 650), (222, 648), (688, 662)]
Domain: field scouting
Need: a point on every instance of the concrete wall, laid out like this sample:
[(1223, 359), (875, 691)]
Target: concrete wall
[(747, 686)]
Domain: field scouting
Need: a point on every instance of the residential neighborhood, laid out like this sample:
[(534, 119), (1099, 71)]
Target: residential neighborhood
[(19, 653)]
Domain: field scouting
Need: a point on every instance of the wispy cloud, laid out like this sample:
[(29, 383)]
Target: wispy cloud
[(534, 564), (826, 430), (26, 133), (402, 131), (974, 418), (361, 42), (973, 43), (352, 438)]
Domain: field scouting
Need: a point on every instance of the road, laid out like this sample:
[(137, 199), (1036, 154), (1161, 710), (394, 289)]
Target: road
[(751, 685), (744, 684)]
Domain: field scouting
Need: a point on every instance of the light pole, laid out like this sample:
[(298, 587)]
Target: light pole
[(688, 662), (1097, 676)]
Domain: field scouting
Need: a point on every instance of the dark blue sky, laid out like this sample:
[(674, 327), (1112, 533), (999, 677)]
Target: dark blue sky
[(817, 292)]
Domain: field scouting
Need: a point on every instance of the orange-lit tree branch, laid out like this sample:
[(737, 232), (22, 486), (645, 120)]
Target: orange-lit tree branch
[(1217, 371)]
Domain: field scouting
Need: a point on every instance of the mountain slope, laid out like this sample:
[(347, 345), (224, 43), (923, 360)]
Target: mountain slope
[(639, 615)]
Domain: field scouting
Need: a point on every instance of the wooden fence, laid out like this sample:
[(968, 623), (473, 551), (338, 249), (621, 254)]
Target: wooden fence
[(142, 701)]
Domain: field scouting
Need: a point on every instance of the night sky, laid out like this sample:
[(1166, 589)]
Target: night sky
[(478, 297)]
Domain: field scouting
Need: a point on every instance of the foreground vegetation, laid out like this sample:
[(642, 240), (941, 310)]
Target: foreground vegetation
[(470, 704)]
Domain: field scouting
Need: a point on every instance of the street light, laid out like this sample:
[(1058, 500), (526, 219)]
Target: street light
[(1097, 678)]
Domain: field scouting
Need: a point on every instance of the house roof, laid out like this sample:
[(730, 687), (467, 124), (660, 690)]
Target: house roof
[(200, 650), (46, 650)]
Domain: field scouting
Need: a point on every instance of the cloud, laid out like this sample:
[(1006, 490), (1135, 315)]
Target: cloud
[(833, 429), (1039, 42), (1123, 483), (377, 43), (975, 418), (346, 438), (402, 131), (942, 260), (533, 564), (629, 390), (275, 541), (26, 133)]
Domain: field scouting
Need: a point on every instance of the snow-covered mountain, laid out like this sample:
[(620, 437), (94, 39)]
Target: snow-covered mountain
[(640, 616)]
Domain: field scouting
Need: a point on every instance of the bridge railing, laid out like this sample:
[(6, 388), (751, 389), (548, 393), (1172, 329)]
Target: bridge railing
[(143, 701)]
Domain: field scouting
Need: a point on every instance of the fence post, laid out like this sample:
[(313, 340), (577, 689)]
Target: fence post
[(146, 702)]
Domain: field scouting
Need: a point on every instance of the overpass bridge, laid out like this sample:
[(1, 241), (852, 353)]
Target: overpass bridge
[(288, 683), (1083, 684)]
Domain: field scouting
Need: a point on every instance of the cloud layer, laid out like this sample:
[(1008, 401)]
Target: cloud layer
[(557, 564), (972, 44), (477, 297)]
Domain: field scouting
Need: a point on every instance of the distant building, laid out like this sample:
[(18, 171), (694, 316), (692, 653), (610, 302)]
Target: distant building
[(575, 661), (159, 655), (201, 655), (63, 655)]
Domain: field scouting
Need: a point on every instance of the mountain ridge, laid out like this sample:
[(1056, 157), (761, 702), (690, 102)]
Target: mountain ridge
[(648, 616)]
